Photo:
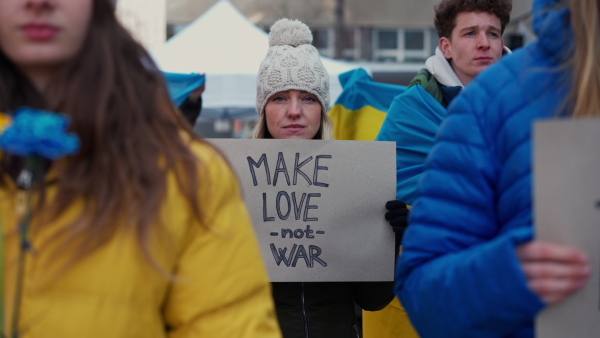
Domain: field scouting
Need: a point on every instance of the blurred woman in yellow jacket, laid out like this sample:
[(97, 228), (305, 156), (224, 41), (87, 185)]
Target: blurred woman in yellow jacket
[(142, 232)]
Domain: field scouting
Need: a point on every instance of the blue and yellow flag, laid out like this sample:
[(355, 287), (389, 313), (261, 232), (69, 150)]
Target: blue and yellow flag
[(358, 114), (412, 121), (361, 107), (181, 85)]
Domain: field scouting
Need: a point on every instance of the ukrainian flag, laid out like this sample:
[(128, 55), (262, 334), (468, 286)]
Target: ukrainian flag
[(358, 114), (361, 107), (412, 121), (181, 85)]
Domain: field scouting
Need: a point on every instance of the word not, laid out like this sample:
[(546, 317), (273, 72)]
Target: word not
[(281, 168), (283, 215), (298, 233), (298, 251)]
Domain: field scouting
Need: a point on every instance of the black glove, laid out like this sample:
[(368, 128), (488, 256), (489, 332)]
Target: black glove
[(398, 218)]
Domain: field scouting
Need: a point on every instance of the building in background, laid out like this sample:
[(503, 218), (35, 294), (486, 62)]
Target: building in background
[(145, 19), (389, 31)]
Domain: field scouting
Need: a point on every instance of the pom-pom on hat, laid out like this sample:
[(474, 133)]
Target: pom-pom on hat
[(291, 63)]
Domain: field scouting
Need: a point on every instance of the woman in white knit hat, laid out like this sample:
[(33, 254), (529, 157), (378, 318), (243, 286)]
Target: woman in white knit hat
[(292, 103)]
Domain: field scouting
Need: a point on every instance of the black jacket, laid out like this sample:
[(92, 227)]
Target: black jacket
[(326, 309), (191, 110)]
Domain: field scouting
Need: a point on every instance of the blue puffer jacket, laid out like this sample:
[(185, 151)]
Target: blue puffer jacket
[(458, 275)]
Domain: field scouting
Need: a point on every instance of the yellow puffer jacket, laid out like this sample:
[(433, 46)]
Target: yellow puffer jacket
[(220, 288), (391, 322)]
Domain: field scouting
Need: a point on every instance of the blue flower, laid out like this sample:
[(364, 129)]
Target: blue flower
[(38, 133)]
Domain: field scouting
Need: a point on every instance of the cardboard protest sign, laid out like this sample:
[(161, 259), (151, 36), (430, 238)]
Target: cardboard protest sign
[(318, 206), (567, 211)]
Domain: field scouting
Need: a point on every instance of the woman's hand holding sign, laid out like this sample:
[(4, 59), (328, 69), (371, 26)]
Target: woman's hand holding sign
[(553, 271), (397, 215)]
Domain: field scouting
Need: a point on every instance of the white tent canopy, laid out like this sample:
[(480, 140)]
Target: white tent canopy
[(227, 47)]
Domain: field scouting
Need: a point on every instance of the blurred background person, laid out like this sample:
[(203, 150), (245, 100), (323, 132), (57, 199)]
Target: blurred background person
[(471, 266), (191, 107)]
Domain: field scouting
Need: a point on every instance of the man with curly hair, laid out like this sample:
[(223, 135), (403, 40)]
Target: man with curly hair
[(470, 33), (470, 40)]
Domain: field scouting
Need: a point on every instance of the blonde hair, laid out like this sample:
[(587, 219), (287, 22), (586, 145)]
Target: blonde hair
[(324, 133), (585, 19)]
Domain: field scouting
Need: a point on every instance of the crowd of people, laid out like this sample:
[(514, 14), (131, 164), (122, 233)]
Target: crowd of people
[(142, 232)]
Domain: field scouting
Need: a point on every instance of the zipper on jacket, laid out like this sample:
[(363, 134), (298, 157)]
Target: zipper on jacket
[(356, 330), (304, 317)]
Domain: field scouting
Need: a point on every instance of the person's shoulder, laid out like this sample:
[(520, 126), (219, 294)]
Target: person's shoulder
[(498, 75), (209, 156), (514, 81), (422, 78), (219, 177), (509, 71), (503, 90), (428, 82), (203, 149)]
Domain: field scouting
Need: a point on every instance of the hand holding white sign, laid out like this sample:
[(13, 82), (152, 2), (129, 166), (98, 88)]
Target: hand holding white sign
[(567, 189), (553, 271)]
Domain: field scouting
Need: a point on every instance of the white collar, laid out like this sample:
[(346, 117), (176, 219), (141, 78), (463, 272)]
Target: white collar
[(441, 69)]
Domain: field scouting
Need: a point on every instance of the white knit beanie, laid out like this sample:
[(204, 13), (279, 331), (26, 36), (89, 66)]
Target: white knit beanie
[(291, 63)]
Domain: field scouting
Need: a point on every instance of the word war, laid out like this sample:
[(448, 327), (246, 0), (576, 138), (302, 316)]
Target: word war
[(297, 251)]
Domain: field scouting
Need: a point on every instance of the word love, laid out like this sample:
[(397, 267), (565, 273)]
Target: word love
[(281, 168), (284, 209)]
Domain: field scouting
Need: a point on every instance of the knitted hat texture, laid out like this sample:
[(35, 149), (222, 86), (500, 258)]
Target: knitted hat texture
[(291, 63)]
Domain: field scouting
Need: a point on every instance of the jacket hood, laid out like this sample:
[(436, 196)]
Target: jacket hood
[(441, 69), (552, 25)]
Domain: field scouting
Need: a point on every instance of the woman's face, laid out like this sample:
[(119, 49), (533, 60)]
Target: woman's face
[(42, 35), (293, 114)]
